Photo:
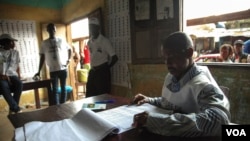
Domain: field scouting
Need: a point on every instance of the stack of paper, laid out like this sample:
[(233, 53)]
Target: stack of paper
[(86, 125)]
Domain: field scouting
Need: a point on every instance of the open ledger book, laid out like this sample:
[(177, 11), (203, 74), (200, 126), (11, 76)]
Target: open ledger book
[(86, 125)]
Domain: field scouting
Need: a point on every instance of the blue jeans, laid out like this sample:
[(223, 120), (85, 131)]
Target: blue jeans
[(15, 86), (62, 76)]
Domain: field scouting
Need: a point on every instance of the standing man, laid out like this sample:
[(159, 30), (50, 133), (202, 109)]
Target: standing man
[(56, 53), (10, 73), (102, 58)]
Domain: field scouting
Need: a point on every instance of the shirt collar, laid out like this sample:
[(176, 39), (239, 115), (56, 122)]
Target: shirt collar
[(176, 85)]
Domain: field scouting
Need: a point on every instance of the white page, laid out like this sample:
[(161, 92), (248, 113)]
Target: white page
[(19, 134), (84, 126), (123, 116), (93, 126)]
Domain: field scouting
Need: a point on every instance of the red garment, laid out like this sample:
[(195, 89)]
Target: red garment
[(86, 55)]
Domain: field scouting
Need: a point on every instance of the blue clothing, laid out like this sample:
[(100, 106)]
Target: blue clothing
[(247, 47), (14, 85), (62, 76)]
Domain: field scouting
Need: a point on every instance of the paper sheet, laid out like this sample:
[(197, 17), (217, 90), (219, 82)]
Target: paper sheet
[(86, 125), (123, 116)]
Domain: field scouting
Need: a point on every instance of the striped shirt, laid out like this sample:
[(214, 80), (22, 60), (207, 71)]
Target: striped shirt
[(200, 107)]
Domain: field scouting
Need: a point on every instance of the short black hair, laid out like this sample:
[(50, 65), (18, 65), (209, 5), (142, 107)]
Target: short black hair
[(50, 25)]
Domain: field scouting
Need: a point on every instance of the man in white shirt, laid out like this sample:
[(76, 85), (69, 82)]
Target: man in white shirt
[(56, 53), (102, 58), (9, 73), (199, 106)]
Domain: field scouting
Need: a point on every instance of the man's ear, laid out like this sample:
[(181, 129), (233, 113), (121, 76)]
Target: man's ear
[(190, 52)]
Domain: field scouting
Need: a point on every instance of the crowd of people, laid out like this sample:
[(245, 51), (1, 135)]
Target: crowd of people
[(235, 53)]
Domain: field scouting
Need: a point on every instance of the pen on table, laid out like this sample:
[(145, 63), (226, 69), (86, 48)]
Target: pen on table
[(105, 101)]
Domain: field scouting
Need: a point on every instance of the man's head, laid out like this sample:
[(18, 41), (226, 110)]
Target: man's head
[(51, 29), (177, 51), (226, 51), (94, 27), (238, 45), (7, 41)]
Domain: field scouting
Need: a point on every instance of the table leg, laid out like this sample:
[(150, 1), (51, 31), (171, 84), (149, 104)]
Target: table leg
[(37, 99)]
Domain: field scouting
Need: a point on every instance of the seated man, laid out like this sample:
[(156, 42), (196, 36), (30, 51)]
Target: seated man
[(199, 106), (9, 73)]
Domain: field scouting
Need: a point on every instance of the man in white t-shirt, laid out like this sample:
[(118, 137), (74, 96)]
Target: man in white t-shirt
[(9, 73), (102, 58), (56, 53)]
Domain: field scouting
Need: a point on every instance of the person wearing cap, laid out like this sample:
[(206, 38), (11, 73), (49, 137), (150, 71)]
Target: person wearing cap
[(9, 73), (102, 58), (239, 56), (56, 53), (198, 105)]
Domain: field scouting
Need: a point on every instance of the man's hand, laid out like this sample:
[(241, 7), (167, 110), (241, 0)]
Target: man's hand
[(36, 76), (68, 61), (4, 77), (140, 99), (140, 119)]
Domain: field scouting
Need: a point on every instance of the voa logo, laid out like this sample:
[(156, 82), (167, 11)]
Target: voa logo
[(236, 132)]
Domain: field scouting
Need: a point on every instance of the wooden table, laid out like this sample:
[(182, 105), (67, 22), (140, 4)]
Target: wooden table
[(68, 110), (31, 84)]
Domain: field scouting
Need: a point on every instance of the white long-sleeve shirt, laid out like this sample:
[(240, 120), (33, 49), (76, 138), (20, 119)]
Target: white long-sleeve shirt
[(200, 106)]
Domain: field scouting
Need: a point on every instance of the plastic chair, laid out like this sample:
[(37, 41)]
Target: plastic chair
[(69, 91)]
